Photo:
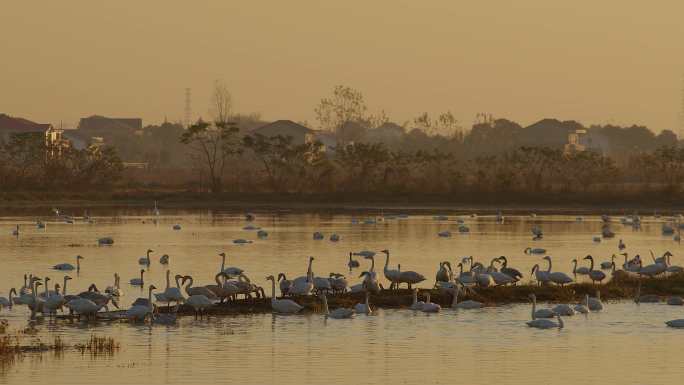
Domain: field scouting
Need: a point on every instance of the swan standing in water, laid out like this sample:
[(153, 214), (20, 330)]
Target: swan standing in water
[(364, 308), (138, 281), (542, 323), (68, 266), (286, 306), (138, 313), (199, 303), (339, 313), (444, 273), (464, 304)]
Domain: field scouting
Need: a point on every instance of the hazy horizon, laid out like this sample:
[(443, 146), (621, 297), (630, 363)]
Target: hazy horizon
[(593, 62)]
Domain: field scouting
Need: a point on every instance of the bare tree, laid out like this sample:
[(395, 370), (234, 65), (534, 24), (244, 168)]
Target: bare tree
[(221, 102)]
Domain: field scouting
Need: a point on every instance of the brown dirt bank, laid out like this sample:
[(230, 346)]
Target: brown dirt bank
[(624, 288), (37, 202)]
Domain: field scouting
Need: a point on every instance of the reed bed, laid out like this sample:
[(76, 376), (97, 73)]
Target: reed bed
[(15, 346)]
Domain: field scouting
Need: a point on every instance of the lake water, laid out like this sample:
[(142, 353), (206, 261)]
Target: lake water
[(626, 342)]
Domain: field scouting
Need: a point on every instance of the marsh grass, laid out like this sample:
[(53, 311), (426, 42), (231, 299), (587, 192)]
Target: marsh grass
[(98, 345), (16, 346)]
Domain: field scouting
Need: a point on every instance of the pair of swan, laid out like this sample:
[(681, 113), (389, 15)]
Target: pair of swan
[(68, 266), (285, 306), (171, 294), (427, 306), (142, 308), (543, 323), (397, 277)]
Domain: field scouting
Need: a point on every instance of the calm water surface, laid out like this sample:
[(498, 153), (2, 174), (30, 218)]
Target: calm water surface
[(492, 345)]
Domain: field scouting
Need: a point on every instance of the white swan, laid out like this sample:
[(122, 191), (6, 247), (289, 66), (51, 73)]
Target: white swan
[(352, 262), (339, 313), (139, 312), (230, 271), (594, 303), (542, 323), (145, 260), (541, 276), (364, 308), (55, 301), (7, 302), (608, 264), (286, 306), (199, 303), (564, 310), (171, 294), (675, 323), (583, 307), (429, 307), (138, 281), (199, 290), (392, 275), (303, 285), (115, 290), (557, 277), (469, 304), (68, 266), (540, 313), (595, 275), (582, 270), (416, 305)]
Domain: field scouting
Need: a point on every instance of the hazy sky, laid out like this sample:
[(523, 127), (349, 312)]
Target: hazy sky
[(602, 61)]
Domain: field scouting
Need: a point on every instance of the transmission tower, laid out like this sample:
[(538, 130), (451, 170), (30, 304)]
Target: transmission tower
[(681, 114), (188, 108)]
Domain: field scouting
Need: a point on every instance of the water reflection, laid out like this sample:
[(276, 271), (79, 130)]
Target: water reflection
[(626, 342)]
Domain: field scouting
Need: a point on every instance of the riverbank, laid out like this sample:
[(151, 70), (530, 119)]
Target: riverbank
[(32, 203)]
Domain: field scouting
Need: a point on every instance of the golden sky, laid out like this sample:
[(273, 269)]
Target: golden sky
[(618, 61)]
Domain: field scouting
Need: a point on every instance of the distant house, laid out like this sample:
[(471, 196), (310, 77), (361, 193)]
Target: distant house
[(12, 125), (285, 128), (102, 123), (55, 140)]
